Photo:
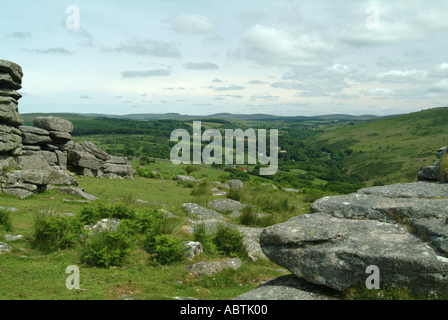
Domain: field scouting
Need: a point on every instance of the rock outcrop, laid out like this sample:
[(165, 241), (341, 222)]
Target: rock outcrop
[(44, 152), (379, 226), (432, 173)]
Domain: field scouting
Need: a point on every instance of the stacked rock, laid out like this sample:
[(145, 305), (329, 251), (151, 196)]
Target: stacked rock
[(432, 173), (49, 138), (10, 119), (89, 160)]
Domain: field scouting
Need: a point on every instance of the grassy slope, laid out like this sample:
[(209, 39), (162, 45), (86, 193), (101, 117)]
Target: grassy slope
[(393, 149)]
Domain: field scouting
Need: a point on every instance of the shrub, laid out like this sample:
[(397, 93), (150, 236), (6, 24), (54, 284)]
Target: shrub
[(443, 167), (203, 188), (95, 211), (52, 232), (105, 249), (312, 195), (229, 242), (249, 218), (168, 249), (200, 235), (5, 219), (190, 169)]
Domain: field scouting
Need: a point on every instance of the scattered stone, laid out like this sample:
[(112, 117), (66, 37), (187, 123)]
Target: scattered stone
[(226, 205), (185, 178), (291, 190), (76, 191), (203, 267), (203, 213), (9, 237), (192, 249), (288, 288), (105, 224), (53, 124)]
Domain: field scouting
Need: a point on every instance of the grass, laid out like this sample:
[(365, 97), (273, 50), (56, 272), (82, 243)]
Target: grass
[(5, 220), (443, 167)]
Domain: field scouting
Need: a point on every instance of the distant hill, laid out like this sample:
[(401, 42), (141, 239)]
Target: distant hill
[(391, 149), (177, 116)]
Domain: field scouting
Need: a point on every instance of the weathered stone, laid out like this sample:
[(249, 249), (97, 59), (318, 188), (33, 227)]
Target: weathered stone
[(9, 141), (203, 213), (10, 115), (17, 192), (13, 69), (291, 190), (34, 162), (289, 288), (185, 178), (49, 156), (226, 205), (35, 139), (203, 267), (62, 158), (60, 136), (10, 130), (118, 160), (433, 230), (26, 186), (31, 148), (7, 81), (71, 145), (34, 130), (103, 225), (9, 237), (235, 184), (112, 176), (76, 191), (7, 100), (429, 173), (409, 190), (335, 252), (53, 124), (17, 151), (121, 170), (387, 209), (440, 152), (5, 92), (83, 159), (192, 249), (94, 150), (4, 246)]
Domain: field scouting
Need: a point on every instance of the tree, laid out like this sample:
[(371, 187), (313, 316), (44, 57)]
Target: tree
[(191, 169)]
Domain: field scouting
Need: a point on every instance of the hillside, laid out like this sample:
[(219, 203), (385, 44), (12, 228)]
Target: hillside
[(390, 149)]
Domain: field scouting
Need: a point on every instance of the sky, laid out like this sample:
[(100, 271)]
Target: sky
[(202, 57)]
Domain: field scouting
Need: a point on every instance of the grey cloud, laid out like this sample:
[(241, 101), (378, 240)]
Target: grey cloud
[(259, 96), (217, 80), (59, 50), (147, 48), (18, 35), (201, 66), (256, 82), (232, 87), (147, 73), (118, 97), (345, 96), (84, 97)]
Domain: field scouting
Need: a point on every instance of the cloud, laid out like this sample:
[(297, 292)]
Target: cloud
[(147, 48), (402, 76), (163, 101), (118, 97), (200, 66), (217, 80), (259, 96), (419, 93), (191, 24), (232, 87), (440, 86), (84, 97), (256, 82), (143, 73), (59, 50), (282, 46), (213, 39), (345, 96), (18, 35)]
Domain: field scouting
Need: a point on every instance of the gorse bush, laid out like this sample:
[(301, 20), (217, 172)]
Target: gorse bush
[(52, 232), (5, 219), (167, 248), (105, 249), (95, 211)]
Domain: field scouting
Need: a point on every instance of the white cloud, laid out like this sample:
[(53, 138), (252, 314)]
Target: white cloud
[(191, 24), (440, 86), (200, 66)]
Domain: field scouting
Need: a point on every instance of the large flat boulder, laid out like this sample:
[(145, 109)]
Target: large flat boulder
[(7, 81), (226, 204), (83, 159), (335, 252), (9, 141), (201, 212), (53, 124), (205, 267), (120, 170)]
